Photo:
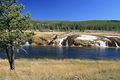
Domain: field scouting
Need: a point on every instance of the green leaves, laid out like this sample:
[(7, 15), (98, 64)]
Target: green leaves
[(13, 24)]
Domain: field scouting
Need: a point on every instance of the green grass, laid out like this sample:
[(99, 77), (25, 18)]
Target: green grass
[(48, 69)]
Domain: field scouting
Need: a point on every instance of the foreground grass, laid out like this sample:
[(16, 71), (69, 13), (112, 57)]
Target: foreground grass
[(47, 69)]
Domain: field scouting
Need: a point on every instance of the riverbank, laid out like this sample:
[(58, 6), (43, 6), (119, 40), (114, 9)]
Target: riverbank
[(69, 69), (78, 39)]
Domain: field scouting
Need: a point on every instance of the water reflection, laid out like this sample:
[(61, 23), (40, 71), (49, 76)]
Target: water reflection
[(59, 52)]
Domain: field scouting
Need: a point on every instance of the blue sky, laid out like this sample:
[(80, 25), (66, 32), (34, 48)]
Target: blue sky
[(74, 10)]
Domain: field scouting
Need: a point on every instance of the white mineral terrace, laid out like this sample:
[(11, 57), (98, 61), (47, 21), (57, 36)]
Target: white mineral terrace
[(87, 37)]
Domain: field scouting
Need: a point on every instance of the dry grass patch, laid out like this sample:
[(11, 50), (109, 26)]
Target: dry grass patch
[(47, 69), (80, 33)]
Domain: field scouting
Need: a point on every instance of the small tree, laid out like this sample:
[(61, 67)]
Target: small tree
[(12, 28)]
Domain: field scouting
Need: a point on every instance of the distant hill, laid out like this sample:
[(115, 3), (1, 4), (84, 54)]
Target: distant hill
[(106, 25)]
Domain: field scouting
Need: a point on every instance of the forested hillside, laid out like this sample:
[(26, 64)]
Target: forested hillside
[(106, 25)]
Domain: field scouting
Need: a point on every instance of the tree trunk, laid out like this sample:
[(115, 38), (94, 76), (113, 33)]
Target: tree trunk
[(10, 56), (12, 63)]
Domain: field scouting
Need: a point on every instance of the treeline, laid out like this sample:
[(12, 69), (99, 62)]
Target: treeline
[(106, 25)]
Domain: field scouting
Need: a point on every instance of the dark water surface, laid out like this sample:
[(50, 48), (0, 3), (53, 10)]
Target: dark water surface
[(69, 53)]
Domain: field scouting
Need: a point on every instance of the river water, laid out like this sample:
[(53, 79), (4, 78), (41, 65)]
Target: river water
[(69, 53)]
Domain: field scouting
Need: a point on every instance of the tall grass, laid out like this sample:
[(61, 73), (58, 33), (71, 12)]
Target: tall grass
[(48, 69)]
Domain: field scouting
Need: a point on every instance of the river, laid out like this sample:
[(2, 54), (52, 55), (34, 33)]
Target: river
[(68, 53), (71, 53)]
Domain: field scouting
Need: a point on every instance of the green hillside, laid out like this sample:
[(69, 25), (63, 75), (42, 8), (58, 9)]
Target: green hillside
[(107, 25)]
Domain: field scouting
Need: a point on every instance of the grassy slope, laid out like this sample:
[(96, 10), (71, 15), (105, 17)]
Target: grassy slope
[(61, 70)]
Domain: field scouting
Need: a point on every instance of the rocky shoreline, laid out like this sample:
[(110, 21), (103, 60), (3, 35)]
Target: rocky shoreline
[(73, 39)]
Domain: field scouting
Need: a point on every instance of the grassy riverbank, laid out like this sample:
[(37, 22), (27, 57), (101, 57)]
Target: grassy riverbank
[(45, 69)]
